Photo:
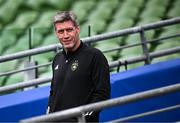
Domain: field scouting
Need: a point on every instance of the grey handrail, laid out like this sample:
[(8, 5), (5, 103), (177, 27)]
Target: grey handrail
[(91, 39), (21, 85), (78, 111)]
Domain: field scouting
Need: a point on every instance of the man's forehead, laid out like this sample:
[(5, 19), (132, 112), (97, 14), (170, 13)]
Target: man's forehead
[(65, 24)]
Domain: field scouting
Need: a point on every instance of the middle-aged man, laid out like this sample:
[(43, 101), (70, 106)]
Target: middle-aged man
[(80, 72)]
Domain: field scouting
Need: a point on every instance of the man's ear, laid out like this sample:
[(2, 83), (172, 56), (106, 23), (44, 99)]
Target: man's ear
[(78, 29)]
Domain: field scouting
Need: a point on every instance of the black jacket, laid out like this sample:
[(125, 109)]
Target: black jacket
[(79, 78)]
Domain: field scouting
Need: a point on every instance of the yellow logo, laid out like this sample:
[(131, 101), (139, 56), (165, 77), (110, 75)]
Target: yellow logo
[(74, 65)]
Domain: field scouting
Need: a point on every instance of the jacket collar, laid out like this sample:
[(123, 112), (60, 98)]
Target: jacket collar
[(70, 53)]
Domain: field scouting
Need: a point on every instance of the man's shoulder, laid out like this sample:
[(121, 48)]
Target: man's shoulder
[(92, 50), (57, 56)]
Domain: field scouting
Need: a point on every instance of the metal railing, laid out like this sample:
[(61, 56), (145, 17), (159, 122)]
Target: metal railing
[(35, 82), (140, 29), (79, 111), (92, 39), (125, 119)]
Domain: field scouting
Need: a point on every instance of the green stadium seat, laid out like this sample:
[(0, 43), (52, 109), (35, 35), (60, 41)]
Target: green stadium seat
[(119, 24), (153, 12), (45, 20), (109, 4), (15, 78), (84, 31), (8, 66), (148, 20), (126, 13), (131, 52), (100, 12), (34, 4), (1, 26), (131, 39), (1, 2), (158, 3), (172, 30), (7, 40), (47, 73), (2, 80), (20, 45), (107, 46), (174, 12), (50, 39), (11, 8), (132, 3), (24, 20), (61, 4), (40, 59), (168, 44), (117, 41), (97, 26), (86, 6), (38, 35)]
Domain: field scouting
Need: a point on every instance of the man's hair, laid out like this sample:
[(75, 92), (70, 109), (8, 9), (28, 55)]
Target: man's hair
[(62, 16)]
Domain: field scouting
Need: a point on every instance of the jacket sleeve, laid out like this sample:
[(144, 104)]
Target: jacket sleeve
[(100, 78), (101, 81), (51, 94)]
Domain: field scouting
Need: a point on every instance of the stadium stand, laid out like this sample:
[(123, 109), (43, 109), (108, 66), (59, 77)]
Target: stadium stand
[(95, 17), (119, 14)]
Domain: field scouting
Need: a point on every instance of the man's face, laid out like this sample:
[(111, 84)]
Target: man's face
[(68, 35)]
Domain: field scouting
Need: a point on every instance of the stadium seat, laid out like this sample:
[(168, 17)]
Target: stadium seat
[(101, 13), (7, 40), (11, 66), (86, 6), (97, 26), (158, 3), (1, 2), (168, 44), (131, 39), (15, 78), (131, 52), (60, 5), (11, 8), (1, 26), (174, 12), (84, 31), (38, 35), (153, 12), (45, 20), (24, 20), (107, 46), (126, 13), (34, 4), (50, 39), (47, 73), (2, 80), (40, 59)]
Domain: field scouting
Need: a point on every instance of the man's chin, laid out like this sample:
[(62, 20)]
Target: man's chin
[(68, 47)]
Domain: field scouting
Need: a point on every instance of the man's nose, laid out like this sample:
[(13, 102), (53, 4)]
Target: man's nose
[(66, 35)]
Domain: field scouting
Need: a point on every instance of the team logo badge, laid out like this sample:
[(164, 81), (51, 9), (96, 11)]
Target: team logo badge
[(74, 65)]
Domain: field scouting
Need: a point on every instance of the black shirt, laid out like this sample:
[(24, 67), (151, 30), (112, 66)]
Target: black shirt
[(80, 77)]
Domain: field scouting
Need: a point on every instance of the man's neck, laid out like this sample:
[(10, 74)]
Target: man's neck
[(73, 49)]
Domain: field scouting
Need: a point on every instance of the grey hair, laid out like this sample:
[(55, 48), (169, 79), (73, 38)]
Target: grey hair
[(62, 16)]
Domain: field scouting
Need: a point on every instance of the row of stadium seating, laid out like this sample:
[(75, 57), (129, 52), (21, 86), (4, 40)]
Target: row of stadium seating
[(102, 16)]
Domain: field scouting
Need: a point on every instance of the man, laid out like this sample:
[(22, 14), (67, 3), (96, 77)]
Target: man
[(80, 73)]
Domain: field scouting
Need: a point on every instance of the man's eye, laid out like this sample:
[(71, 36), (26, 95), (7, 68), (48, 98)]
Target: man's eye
[(69, 30), (60, 31)]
